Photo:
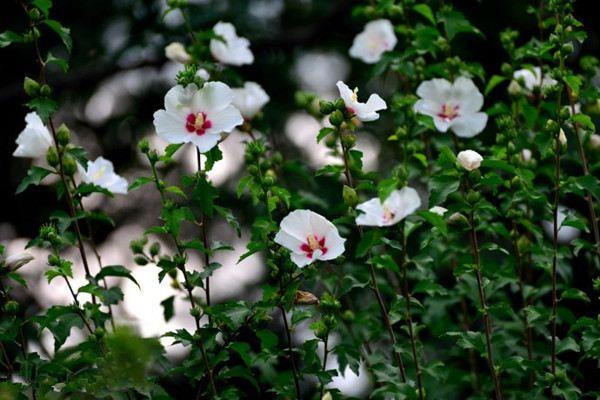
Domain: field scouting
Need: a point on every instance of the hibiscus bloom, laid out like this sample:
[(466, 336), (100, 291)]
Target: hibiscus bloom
[(309, 236), (35, 139), (250, 99), (102, 173), (363, 111), (532, 78), (197, 116), (232, 49), (452, 105), (399, 204), (376, 38)]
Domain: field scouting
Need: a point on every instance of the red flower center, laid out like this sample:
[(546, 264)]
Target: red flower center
[(448, 112), (313, 243), (197, 123)]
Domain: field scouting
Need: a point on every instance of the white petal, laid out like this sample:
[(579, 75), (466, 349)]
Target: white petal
[(225, 120), (288, 241), (34, 140), (466, 95), (250, 99), (205, 142), (346, 94), (179, 99), (235, 50), (467, 126), (214, 96), (372, 213), (427, 107), (403, 202), (171, 127), (297, 224), (334, 244), (441, 124), (376, 38), (301, 260), (436, 90)]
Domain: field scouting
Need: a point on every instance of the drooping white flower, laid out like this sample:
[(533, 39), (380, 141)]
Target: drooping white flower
[(197, 116), (469, 159), (250, 99), (232, 50), (309, 236), (35, 139), (400, 204), (102, 173), (16, 261), (532, 78), (176, 52), (452, 105), (363, 111), (376, 38), (595, 141), (438, 210), (566, 233)]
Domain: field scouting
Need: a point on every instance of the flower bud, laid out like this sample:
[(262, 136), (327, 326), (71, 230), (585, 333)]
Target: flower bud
[(69, 165), (339, 105), (326, 107), (176, 52), (469, 159), (348, 316), (567, 49), (63, 135), (140, 260), (99, 332), (196, 311), (562, 138), (336, 118), (52, 157), (457, 219), (268, 181), (350, 196), (473, 197), (349, 140), (514, 88), (45, 90), (34, 14), (31, 87), (155, 249), (144, 146), (438, 210), (11, 307), (16, 261)]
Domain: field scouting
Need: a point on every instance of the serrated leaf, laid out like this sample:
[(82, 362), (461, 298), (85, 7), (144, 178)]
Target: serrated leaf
[(116, 270), (63, 32), (35, 175)]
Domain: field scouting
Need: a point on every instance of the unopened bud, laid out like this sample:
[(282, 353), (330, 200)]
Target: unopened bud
[(63, 135), (304, 298), (52, 157), (336, 118), (350, 196), (326, 107), (31, 87), (16, 261)]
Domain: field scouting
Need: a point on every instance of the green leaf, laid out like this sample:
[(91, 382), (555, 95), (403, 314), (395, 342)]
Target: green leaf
[(494, 81), (139, 182), (9, 37), (370, 238), (436, 220), (43, 106), (43, 5), (116, 270), (455, 23), (425, 11), (212, 157), (61, 62), (61, 31), (386, 187), (574, 83), (574, 294), (35, 175), (584, 120), (441, 186), (323, 133), (204, 195)]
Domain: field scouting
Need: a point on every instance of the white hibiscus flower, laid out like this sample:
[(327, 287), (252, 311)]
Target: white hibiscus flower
[(250, 99), (566, 234), (197, 116), (309, 236), (232, 50), (102, 173), (363, 111), (35, 139), (452, 105), (376, 38), (400, 204)]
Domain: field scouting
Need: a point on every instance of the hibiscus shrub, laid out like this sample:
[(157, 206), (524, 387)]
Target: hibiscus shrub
[(465, 266)]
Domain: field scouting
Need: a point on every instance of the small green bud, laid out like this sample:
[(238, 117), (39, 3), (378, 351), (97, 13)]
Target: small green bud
[(196, 311), (326, 107), (31, 87), (551, 126), (35, 33), (140, 260), (144, 146), (155, 249), (45, 90), (153, 156), (331, 140), (52, 156), (69, 165), (137, 246), (350, 196), (303, 99), (348, 316), (457, 219), (506, 69), (339, 105), (336, 118), (269, 181), (253, 170), (473, 197), (34, 14), (523, 244), (277, 158), (567, 49), (63, 135), (515, 182), (11, 307), (53, 260), (100, 332), (349, 140)]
